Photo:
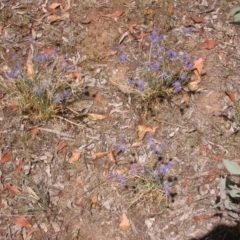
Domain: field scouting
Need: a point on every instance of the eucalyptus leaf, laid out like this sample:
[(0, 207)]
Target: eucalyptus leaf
[(234, 193), (233, 215), (231, 166), (235, 23), (227, 204), (233, 12), (237, 17)]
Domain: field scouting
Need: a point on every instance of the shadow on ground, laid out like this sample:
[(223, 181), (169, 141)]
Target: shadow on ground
[(222, 232)]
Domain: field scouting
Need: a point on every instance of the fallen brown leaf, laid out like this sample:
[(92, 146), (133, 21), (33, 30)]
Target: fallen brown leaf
[(210, 44), (94, 201), (49, 51), (12, 105), (54, 5), (149, 12), (95, 117), (112, 15), (136, 144), (11, 188), (35, 131), (111, 156), (142, 130), (125, 223), (231, 96), (60, 146), (75, 156), (6, 157), (98, 155), (29, 65), (19, 166), (197, 19), (22, 222), (198, 67), (76, 76)]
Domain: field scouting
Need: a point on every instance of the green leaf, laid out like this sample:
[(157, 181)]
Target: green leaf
[(233, 215), (233, 12), (222, 186), (231, 166), (234, 193), (235, 23), (237, 17)]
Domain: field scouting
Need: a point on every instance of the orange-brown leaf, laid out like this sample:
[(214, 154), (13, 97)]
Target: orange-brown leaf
[(11, 188), (22, 222), (142, 130), (210, 44), (76, 76), (12, 105), (201, 217), (49, 51), (60, 146), (6, 157), (35, 131), (198, 66), (29, 64), (112, 15), (197, 19), (136, 144), (95, 117), (98, 155), (125, 223), (149, 12), (54, 5), (231, 96), (111, 156), (75, 156), (19, 166)]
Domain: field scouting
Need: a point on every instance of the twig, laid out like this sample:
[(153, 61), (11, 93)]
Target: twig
[(56, 132), (69, 121)]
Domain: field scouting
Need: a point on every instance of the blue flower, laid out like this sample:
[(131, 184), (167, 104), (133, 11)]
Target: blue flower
[(183, 77), (131, 82), (123, 58), (141, 85), (187, 30), (172, 54), (155, 66), (163, 169), (189, 65), (155, 38), (167, 188), (122, 179), (111, 175), (38, 90), (186, 58), (15, 73), (177, 86), (43, 58)]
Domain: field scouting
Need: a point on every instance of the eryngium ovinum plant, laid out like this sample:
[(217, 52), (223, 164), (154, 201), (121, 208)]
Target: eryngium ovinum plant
[(161, 71), (229, 190), (42, 95)]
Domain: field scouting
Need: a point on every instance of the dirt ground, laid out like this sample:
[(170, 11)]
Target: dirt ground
[(66, 199)]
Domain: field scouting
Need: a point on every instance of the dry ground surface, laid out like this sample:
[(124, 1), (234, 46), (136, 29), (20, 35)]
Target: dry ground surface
[(71, 176)]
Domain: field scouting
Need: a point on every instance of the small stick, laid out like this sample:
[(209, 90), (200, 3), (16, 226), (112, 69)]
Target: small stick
[(69, 121), (56, 132)]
